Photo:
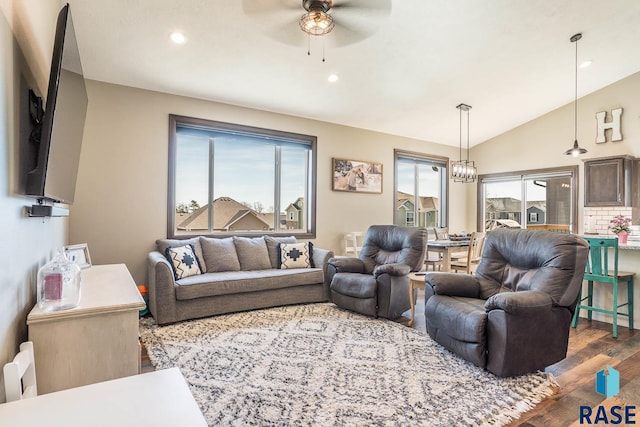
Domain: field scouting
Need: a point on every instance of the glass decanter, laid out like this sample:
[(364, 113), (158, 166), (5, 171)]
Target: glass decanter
[(58, 284)]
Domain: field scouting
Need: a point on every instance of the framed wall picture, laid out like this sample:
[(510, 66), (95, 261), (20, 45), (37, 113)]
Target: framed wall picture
[(356, 176), (78, 254)]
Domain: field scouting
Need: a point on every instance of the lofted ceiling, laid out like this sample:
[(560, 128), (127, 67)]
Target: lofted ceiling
[(511, 60)]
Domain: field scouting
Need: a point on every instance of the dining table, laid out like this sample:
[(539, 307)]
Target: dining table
[(447, 247)]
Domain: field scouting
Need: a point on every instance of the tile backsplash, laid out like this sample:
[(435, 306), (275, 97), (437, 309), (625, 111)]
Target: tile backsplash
[(596, 220)]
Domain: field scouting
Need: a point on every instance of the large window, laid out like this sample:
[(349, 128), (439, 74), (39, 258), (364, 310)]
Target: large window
[(535, 199), (227, 179), (421, 190)]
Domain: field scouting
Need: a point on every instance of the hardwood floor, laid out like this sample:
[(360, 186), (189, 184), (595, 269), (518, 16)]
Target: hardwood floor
[(591, 348)]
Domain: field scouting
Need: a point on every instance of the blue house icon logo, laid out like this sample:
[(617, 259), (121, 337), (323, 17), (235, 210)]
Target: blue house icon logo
[(608, 382)]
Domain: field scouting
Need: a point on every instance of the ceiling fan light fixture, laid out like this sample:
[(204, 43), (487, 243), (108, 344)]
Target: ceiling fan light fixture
[(316, 23)]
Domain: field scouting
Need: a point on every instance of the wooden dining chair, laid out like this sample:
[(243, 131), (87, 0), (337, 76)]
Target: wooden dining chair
[(602, 267), (20, 375), (442, 233), (469, 264), (353, 243), (433, 260)]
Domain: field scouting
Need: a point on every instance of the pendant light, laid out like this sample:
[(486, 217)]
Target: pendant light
[(464, 170), (575, 151)]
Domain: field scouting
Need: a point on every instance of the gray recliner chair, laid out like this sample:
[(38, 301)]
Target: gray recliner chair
[(376, 283), (513, 316)]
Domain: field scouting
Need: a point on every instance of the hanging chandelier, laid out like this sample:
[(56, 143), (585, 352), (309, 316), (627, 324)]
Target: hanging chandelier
[(464, 170), (317, 21), (576, 150)]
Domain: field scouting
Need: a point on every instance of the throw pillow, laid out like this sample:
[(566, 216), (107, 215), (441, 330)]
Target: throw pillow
[(163, 244), (184, 261), (252, 253), (295, 255), (219, 254), (272, 247)]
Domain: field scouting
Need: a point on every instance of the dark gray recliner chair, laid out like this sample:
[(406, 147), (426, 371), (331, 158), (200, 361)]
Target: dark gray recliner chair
[(513, 316), (376, 283)]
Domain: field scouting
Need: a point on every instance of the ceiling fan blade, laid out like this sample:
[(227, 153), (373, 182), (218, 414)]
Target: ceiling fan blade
[(345, 34), (265, 7), (288, 33), (382, 6)]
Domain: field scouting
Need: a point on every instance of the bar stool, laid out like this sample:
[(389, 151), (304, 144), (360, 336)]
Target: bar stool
[(598, 271)]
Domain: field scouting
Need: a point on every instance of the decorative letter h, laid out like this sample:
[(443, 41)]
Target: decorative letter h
[(614, 125)]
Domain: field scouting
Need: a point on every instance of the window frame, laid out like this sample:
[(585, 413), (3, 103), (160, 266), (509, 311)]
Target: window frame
[(312, 141), (442, 162), (571, 171)]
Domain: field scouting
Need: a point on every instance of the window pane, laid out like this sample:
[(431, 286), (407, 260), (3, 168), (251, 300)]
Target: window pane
[(243, 189), (419, 190), (429, 195), (549, 203), (192, 183), (502, 201), (294, 161), (405, 191)]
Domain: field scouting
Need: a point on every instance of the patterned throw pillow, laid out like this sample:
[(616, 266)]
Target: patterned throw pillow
[(184, 261), (295, 255)]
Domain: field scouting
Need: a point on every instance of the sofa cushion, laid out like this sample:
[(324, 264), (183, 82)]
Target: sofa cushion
[(272, 247), (163, 244), (183, 260), (219, 254), (252, 253), (233, 282), (295, 255)]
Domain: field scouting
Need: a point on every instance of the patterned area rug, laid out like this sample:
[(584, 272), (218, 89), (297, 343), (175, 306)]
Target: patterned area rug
[(320, 365)]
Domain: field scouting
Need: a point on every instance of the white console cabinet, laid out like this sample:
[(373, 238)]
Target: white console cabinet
[(96, 341)]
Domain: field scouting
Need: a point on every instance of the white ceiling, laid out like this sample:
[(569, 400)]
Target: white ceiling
[(511, 60)]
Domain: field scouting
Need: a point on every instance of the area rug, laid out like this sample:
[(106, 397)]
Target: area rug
[(320, 365)]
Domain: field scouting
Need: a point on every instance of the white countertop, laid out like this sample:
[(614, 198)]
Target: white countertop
[(633, 245)]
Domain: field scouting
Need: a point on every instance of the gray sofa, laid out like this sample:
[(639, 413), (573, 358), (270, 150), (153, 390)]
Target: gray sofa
[(238, 274)]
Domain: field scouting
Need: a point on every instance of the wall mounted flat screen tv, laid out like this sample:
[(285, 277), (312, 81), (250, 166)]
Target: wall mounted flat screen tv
[(60, 142)]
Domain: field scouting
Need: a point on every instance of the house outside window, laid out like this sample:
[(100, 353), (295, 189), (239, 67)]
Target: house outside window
[(420, 190), (228, 179)]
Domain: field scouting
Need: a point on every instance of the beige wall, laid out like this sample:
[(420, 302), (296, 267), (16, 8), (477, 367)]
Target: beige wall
[(121, 197), (27, 243)]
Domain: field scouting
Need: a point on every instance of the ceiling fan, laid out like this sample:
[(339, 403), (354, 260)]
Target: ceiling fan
[(343, 22)]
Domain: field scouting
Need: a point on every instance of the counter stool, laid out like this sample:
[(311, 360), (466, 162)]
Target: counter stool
[(598, 271)]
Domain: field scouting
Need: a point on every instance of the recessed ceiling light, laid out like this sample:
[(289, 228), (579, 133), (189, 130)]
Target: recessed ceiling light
[(333, 78), (178, 38), (585, 64)]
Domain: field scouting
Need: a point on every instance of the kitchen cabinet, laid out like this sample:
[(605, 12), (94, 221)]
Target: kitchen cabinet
[(608, 181)]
